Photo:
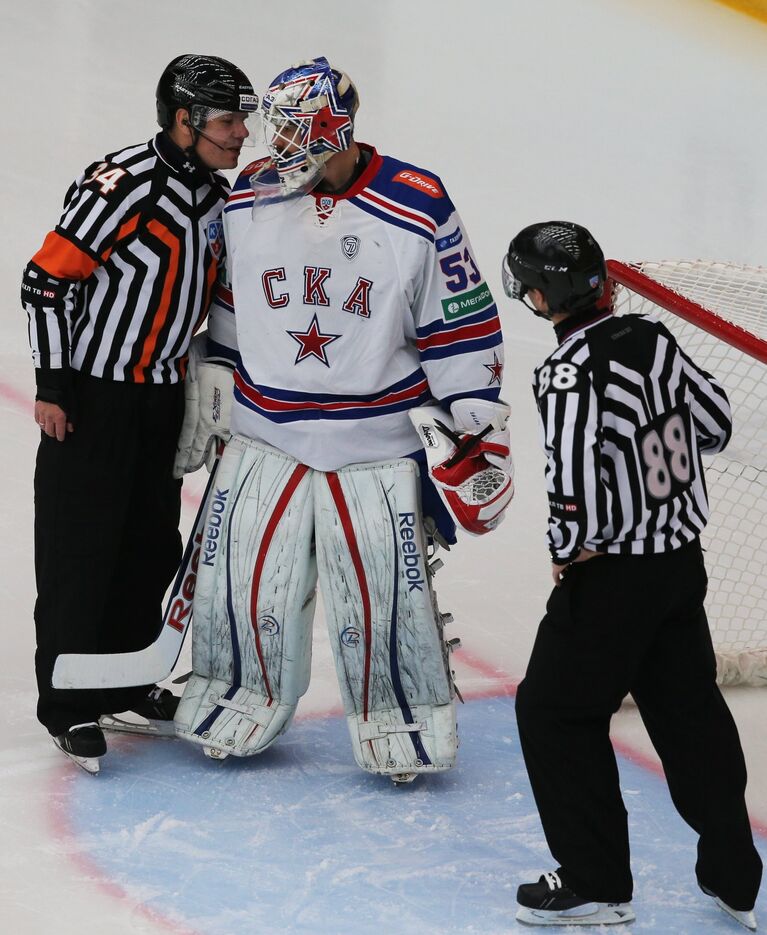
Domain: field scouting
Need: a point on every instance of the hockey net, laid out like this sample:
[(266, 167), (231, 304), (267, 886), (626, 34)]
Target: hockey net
[(718, 313)]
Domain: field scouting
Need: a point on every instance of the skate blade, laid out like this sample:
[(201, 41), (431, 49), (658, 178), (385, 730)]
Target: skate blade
[(147, 728), (746, 918), (90, 764), (587, 914)]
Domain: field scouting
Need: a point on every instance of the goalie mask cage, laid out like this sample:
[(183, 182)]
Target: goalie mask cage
[(718, 313)]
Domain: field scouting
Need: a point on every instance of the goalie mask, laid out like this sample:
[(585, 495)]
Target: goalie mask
[(308, 116), (561, 259)]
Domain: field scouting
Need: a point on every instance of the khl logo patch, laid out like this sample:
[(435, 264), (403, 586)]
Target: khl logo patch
[(215, 234)]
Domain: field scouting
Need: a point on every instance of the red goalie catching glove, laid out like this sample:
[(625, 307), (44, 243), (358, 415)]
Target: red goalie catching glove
[(469, 459)]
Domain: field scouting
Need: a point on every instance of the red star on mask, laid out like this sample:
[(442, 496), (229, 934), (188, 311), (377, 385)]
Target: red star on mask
[(325, 125), (313, 342), (496, 371)]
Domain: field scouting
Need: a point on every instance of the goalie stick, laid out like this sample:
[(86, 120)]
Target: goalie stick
[(156, 661)]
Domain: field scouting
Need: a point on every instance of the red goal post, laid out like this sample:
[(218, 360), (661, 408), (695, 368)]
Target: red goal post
[(718, 313)]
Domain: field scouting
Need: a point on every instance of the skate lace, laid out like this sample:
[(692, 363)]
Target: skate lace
[(552, 881), (78, 726)]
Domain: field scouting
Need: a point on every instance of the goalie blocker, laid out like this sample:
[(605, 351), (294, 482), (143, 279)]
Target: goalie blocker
[(208, 391), (469, 458), (254, 606)]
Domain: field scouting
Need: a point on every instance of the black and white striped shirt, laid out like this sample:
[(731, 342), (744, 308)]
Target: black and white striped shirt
[(119, 287), (624, 416)]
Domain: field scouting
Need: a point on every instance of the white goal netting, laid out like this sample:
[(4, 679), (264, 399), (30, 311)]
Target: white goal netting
[(713, 297)]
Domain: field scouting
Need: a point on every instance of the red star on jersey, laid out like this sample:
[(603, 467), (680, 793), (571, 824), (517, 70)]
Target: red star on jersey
[(313, 342), (325, 126), (496, 370)]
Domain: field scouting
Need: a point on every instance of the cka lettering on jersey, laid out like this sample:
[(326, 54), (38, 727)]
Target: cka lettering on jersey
[(179, 611), (213, 531), (316, 290), (410, 554)]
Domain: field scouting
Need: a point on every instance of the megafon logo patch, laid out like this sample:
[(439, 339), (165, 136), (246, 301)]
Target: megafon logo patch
[(422, 182)]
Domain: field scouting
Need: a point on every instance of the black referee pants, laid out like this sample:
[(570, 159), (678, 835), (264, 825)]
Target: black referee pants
[(633, 624), (106, 536)]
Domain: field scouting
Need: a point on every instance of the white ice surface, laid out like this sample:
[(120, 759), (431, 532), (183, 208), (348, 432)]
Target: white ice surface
[(643, 121)]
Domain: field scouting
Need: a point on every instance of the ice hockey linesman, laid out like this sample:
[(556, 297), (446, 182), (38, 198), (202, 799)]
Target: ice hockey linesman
[(624, 417), (114, 296)]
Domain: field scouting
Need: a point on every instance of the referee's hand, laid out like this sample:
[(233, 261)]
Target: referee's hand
[(52, 420)]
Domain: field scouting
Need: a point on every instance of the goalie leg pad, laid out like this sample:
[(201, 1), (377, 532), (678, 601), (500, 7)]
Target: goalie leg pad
[(253, 604), (385, 628)]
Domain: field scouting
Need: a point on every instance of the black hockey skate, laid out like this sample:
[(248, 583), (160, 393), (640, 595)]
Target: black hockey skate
[(83, 744), (550, 902), (746, 917), (154, 713)]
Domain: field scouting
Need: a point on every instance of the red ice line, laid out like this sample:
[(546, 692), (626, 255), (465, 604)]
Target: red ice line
[(59, 820)]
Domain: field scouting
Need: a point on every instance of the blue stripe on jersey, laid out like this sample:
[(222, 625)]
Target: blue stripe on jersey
[(462, 347), (392, 219), (221, 303), (490, 393), (293, 396), (435, 327), (240, 203), (223, 352), (353, 413)]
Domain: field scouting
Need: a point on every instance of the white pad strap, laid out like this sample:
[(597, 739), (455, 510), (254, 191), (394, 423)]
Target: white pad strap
[(385, 630), (254, 602), (491, 420), (208, 390)]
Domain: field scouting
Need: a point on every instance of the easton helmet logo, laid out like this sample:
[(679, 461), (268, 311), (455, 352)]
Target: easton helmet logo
[(215, 234), (350, 246)]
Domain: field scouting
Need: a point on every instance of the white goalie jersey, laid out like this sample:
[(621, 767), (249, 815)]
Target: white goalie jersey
[(350, 311)]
